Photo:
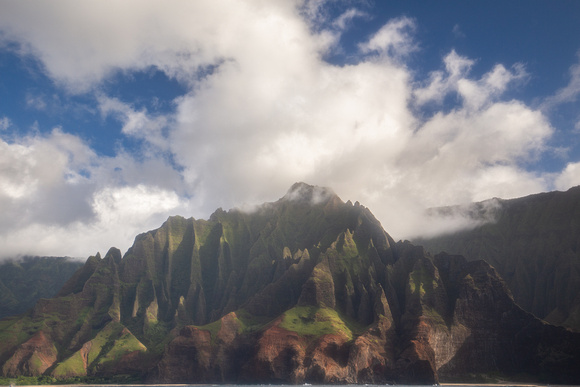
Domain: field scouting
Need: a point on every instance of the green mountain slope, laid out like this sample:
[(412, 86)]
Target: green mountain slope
[(305, 289), (534, 243)]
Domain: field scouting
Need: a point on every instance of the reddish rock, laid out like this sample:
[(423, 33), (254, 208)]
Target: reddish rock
[(327, 360), (133, 363), (187, 357), (279, 357), (32, 357), (228, 329)]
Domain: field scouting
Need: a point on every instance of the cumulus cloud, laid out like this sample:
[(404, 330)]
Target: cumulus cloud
[(473, 93), (262, 110), (58, 197)]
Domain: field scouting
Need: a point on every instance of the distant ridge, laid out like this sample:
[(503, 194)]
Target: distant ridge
[(534, 243), (25, 280)]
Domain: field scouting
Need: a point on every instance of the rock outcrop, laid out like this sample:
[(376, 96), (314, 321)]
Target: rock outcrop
[(33, 357), (308, 289)]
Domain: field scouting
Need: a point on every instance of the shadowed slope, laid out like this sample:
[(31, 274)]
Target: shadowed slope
[(26, 280), (534, 245)]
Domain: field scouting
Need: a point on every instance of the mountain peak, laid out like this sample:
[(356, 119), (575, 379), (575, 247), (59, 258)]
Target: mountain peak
[(309, 193)]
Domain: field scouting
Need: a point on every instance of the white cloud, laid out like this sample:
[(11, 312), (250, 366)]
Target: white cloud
[(314, 11), (269, 111), (393, 39), (569, 177), (312, 127), (58, 197), (473, 93), (346, 18), (37, 163), (137, 124), (567, 94), (5, 123), (441, 84), (37, 102), (179, 39), (122, 212)]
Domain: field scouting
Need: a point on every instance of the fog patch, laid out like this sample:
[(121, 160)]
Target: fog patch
[(451, 219), (307, 193)]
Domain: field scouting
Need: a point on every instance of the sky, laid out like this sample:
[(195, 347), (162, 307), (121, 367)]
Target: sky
[(115, 115)]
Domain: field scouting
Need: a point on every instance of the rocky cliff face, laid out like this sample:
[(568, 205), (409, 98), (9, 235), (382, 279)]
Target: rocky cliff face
[(306, 289), (533, 243)]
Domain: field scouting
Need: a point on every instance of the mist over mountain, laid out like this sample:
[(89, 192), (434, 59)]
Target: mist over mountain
[(534, 243), (305, 289)]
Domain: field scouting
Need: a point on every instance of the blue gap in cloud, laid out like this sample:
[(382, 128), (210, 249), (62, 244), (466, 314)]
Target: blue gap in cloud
[(20, 78), (151, 89), (35, 105), (537, 34), (566, 137)]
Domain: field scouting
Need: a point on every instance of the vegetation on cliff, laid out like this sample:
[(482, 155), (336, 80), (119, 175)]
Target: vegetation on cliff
[(305, 289)]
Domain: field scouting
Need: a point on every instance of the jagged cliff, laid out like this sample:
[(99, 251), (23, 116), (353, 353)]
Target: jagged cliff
[(305, 289), (534, 244)]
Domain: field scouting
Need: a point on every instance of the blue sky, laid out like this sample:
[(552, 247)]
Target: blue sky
[(115, 115)]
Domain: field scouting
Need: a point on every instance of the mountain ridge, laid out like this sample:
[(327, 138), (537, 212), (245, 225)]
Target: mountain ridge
[(305, 289), (533, 243)]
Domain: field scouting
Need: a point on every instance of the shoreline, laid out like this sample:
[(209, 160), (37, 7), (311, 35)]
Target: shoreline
[(280, 385)]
